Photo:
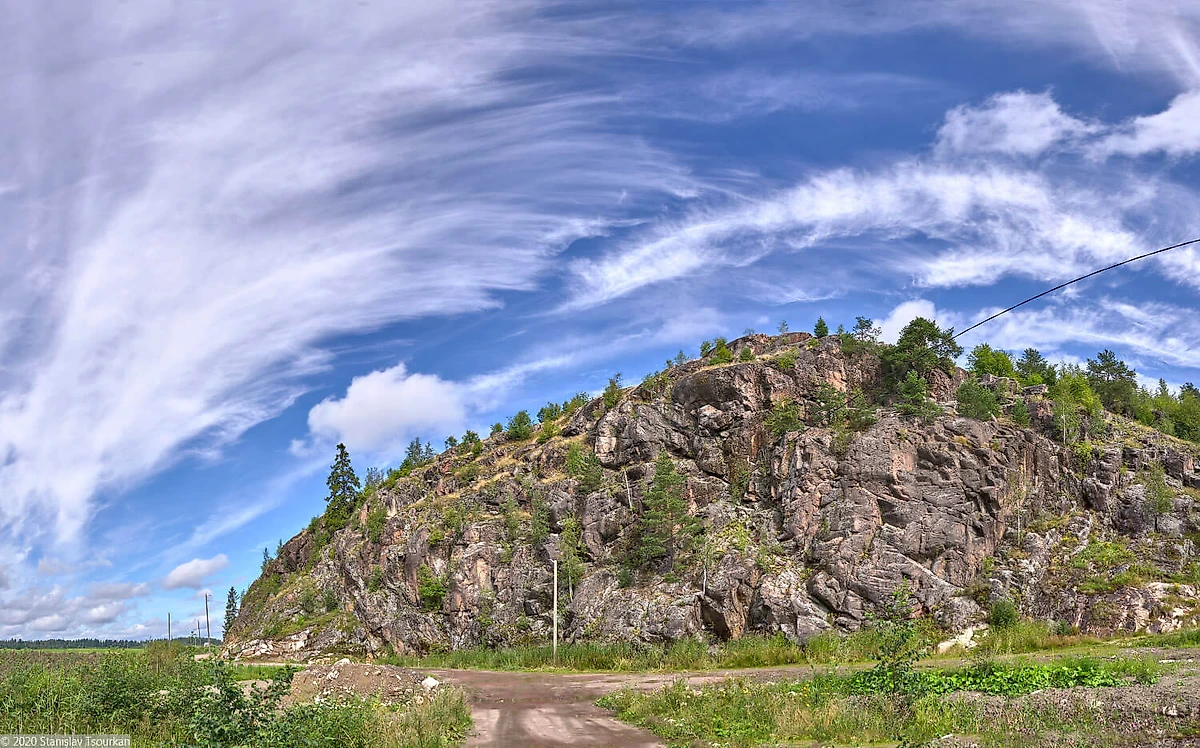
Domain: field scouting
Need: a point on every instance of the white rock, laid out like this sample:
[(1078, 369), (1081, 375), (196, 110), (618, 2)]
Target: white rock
[(343, 661), (429, 683)]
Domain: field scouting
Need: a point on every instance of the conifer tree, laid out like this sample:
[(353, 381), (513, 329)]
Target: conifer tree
[(821, 329), (343, 489), (231, 610), (666, 527)]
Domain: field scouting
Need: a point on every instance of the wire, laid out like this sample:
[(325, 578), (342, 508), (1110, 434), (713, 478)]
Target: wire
[(1075, 280)]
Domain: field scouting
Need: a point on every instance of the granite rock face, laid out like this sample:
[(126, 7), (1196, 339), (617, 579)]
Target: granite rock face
[(804, 531)]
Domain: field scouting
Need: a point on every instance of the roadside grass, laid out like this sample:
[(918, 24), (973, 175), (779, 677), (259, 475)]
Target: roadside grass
[(860, 708), (239, 672), (749, 651), (163, 696), (754, 650)]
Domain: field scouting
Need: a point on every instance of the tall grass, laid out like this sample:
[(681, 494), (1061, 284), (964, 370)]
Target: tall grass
[(847, 710), (688, 654), (163, 697)]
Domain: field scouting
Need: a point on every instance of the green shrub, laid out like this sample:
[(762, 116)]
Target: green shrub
[(721, 353), (786, 361), (785, 417), (1003, 614), (612, 391), (976, 401), (430, 588), (584, 466), (746, 354), (1020, 414), (549, 412), (548, 431), (376, 519)]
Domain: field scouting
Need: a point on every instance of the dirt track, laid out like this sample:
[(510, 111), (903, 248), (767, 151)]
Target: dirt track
[(534, 710)]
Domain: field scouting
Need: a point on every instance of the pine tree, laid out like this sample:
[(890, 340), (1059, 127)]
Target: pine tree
[(266, 559), (821, 329), (666, 527), (343, 489), (231, 610), (783, 327)]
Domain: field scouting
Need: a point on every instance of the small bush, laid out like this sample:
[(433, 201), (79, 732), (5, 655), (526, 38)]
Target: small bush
[(1003, 614), (721, 353), (786, 361), (612, 391), (430, 588), (1020, 414), (785, 416), (746, 354), (376, 519), (976, 401)]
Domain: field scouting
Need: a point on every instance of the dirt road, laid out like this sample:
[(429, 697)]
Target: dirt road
[(536, 710)]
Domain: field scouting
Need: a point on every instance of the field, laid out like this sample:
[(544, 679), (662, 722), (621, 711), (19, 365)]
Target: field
[(163, 696)]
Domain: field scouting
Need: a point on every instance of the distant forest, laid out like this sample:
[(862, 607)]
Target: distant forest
[(92, 643)]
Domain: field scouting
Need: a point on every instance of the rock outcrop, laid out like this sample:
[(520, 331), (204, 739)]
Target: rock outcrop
[(806, 527)]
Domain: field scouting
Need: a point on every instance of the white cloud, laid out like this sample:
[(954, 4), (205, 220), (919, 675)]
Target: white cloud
[(904, 313), (194, 573), (389, 405), (1175, 131), (1157, 332), (1016, 123), (217, 197)]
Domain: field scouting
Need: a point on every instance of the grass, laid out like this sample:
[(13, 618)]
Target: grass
[(748, 651), (254, 672), (162, 696), (847, 709)]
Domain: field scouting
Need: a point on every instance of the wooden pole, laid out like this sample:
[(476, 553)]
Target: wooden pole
[(556, 611), (207, 624)]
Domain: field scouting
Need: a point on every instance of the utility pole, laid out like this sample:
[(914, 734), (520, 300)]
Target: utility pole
[(207, 625), (555, 611), (168, 628)]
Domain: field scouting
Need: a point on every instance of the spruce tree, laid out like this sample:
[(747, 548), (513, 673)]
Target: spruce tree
[(821, 329), (343, 489), (231, 610)]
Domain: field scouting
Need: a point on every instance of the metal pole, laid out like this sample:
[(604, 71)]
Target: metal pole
[(556, 611), (207, 624)]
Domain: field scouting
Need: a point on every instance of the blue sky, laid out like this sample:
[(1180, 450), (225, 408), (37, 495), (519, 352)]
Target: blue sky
[(234, 236)]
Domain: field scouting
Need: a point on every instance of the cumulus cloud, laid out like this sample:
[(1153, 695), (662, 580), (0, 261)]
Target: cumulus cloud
[(194, 573), (1016, 123), (381, 407), (891, 325)]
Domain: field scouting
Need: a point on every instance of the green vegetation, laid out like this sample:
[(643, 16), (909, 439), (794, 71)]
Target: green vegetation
[(161, 696), (344, 490), (584, 467), (821, 329), (666, 528), (914, 399), (921, 348), (984, 359), (786, 416), (721, 353), (376, 519), (686, 654), (539, 522), (431, 588), (549, 412), (520, 426), (231, 610), (976, 401), (859, 709), (1003, 614), (612, 391)]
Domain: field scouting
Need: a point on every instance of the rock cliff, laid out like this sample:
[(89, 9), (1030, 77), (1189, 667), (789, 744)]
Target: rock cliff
[(802, 526)]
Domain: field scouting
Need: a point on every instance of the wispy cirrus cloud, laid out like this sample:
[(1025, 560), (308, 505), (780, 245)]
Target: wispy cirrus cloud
[(218, 195)]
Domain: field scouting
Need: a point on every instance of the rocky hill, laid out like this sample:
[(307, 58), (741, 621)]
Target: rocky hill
[(787, 516)]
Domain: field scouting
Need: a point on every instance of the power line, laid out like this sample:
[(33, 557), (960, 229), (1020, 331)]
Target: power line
[(1075, 280)]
